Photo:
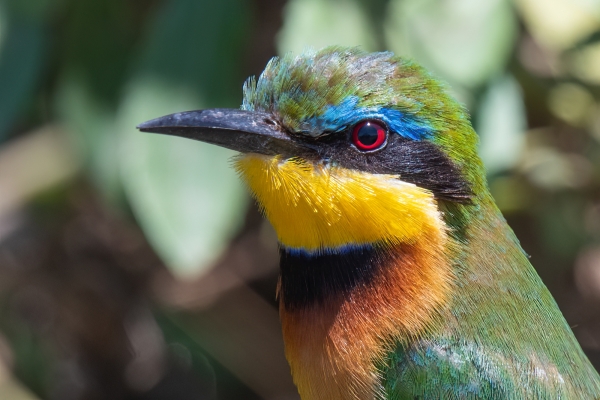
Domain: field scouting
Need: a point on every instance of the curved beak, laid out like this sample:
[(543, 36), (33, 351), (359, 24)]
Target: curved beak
[(240, 130)]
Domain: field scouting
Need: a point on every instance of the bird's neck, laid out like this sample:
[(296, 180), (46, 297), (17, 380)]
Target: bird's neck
[(342, 312), (365, 264)]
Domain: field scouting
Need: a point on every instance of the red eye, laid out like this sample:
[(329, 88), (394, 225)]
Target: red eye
[(369, 135)]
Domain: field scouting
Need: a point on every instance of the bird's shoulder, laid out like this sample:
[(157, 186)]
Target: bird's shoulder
[(454, 368)]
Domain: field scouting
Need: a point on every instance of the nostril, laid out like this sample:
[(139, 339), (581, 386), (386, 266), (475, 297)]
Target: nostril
[(270, 121)]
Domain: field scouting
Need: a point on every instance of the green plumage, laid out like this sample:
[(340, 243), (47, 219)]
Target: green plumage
[(502, 334)]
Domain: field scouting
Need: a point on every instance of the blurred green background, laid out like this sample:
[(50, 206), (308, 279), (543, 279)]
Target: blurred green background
[(134, 266)]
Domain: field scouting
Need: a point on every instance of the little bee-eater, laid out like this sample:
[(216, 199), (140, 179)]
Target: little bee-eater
[(400, 279)]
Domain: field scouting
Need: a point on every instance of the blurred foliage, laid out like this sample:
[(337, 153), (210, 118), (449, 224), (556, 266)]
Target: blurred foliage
[(88, 310), (23, 54), (189, 203)]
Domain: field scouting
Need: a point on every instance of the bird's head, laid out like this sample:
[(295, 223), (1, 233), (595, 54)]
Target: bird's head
[(345, 148)]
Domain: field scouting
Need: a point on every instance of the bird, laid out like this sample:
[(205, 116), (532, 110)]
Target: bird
[(399, 276)]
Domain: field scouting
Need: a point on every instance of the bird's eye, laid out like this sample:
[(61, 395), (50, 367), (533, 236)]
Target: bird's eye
[(369, 135)]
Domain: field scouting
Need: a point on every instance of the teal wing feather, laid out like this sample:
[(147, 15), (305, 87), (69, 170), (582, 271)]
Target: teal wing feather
[(456, 369)]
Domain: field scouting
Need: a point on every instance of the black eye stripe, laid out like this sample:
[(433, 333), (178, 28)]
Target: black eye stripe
[(420, 162), (416, 161)]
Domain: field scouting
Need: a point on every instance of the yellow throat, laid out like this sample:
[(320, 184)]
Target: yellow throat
[(319, 206)]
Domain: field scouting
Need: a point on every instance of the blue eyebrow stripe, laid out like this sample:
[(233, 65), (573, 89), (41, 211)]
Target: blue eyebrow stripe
[(348, 112), (404, 126)]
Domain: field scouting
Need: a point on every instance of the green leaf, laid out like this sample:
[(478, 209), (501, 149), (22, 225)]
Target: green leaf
[(560, 24), (501, 124), (185, 195), (92, 129), (320, 23), (97, 48), (465, 41), (22, 56)]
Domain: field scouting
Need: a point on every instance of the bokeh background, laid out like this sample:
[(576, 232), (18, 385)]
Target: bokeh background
[(135, 266)]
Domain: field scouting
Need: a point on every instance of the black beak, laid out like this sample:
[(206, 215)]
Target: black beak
[(244, 131)]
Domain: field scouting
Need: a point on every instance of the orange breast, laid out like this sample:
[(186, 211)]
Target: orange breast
[(333, 347)]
